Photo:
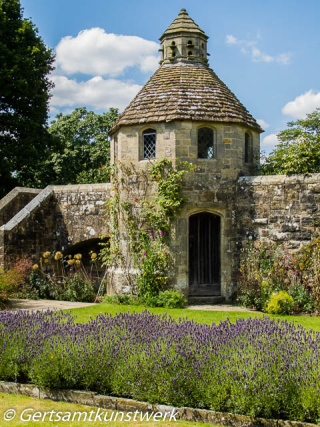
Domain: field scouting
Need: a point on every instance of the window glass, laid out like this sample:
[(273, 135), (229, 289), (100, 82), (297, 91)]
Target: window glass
[(149, 144), (205, 143), (247, 148)]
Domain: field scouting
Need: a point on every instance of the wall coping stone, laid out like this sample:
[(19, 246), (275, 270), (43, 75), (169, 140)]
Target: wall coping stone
[(81, 188), (121, 404), (44, 194), (8, 198), (313, 178), (27, 210)]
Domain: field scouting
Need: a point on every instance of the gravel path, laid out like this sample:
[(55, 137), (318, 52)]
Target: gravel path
[(26, 304), (218, 307), (44, 304)]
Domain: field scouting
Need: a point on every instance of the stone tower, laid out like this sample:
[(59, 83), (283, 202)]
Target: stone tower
[(186, 112)]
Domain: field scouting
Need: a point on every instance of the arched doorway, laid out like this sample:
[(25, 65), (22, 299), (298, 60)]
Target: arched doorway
[(204, 255)]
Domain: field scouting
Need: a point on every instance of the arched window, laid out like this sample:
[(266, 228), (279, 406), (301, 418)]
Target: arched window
[(247, 148), (205, 143), (149, 143)]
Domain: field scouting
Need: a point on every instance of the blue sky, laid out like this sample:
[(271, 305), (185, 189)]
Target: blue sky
[(267, 52)]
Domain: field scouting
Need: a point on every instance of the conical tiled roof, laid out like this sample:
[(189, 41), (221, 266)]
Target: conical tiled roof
[(183, 23), (185, 92)]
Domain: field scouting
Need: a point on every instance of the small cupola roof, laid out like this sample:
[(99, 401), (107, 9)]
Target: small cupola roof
[(183, 23), (184, 41), (184, 87)]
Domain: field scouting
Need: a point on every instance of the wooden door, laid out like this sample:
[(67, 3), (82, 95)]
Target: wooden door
[(204, 255)]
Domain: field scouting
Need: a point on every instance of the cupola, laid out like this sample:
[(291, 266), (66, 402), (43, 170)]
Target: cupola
[(184, 41)]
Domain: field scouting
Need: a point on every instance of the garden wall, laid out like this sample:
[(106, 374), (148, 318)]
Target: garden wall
[(275, 208), (279, 207), (56, 219)]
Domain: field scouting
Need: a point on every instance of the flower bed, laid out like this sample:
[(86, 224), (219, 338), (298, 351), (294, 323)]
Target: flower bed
[(257, 367)]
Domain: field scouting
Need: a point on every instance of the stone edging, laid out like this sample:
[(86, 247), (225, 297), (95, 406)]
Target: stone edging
[(129, 405)]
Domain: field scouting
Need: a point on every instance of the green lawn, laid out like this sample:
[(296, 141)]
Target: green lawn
[(84, 314), (20, 403)]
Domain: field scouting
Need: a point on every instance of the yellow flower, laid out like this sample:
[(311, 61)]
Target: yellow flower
[(301, 266), (46, 260), (35, 267), (78, 263), (46, 255), (94, 256), (77, 256), (71, 261), (281, 270), (69, 256), (58, 256)]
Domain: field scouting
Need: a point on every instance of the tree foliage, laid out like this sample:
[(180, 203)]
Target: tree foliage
[(24, 95), (298, 150), (84, 149)]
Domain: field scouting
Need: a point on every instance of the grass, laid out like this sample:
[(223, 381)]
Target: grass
[(19, 403), (199, 316)]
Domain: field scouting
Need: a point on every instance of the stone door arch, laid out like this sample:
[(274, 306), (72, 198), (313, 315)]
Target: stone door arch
[(204, 255)]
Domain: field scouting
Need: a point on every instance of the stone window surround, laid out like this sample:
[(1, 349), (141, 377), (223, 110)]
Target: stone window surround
[(215, 139), (140, 136)]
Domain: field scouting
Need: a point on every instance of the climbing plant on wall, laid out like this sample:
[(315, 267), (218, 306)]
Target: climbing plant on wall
[(140, 213)]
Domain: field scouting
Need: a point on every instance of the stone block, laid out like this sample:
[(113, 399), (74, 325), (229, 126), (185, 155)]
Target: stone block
[(105, 402), (128, 405)]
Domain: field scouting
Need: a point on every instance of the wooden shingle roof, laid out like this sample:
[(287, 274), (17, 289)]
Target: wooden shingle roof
[(185, 92)]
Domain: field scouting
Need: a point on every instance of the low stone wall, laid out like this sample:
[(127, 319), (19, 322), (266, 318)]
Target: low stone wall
[(129, 405)]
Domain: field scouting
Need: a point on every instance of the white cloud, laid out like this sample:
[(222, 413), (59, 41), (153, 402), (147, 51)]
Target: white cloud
[(258, 56), (230, 39), (263, 124), (270, 140), (95, 52), (249, 47), (302, 105), (98, 93)]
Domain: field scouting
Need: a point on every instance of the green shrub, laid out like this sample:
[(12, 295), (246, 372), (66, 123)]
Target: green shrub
[(118, 299), (281, 303), (167, 299), (171, 299), (78, 288), (303, 299), (150, 301)]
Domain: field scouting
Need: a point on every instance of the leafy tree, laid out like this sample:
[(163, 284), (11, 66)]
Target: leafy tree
[(25, 62), (84, 149), (298, 150)]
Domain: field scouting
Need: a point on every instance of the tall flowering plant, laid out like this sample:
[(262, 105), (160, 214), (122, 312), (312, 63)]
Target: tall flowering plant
[(152, 199)]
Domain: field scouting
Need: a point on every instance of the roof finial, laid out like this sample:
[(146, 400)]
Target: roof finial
[(183, 11)]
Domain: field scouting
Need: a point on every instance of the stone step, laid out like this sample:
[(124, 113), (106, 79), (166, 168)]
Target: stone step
[(206, 300)]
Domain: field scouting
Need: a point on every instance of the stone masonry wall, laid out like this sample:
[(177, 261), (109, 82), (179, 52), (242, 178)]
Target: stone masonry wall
[(279, 208), (56, 219)]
